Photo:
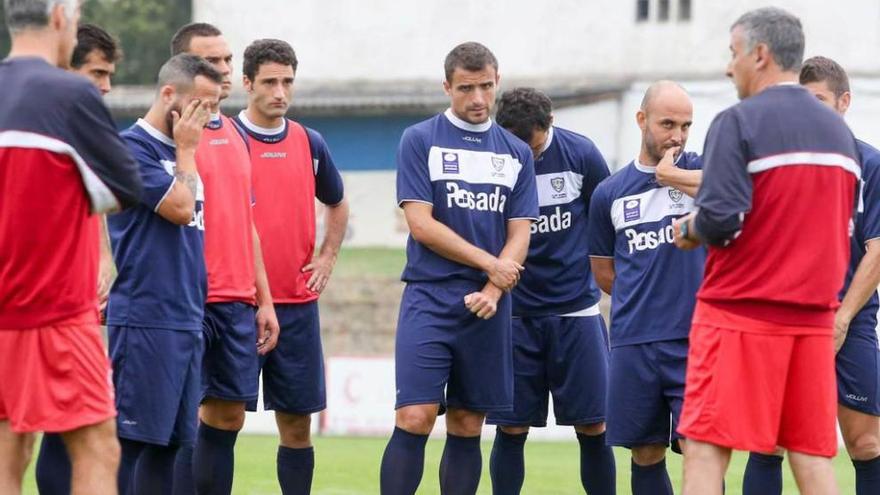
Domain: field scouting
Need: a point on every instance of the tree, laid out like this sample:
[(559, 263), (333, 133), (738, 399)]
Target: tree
[(144, 28)]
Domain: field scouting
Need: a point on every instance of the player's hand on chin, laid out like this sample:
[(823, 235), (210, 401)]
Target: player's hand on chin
[(666, 168), (680, 241), (267, 329), (505, 273)]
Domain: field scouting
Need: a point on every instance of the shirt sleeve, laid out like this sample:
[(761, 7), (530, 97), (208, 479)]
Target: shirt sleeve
[(594, 170), (524, 197), (600, 229), (413, 176), (725, 194), (871, 200), (110, 174), (157, 175), (329, 188)]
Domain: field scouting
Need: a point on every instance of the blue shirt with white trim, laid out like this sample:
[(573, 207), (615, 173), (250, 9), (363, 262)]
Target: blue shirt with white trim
[(867, 227), (162, 281), (557, 279), (655, 283), (477, 177)]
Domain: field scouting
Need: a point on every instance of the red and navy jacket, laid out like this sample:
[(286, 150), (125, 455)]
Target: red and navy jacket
[(61, 160), (776, 206)]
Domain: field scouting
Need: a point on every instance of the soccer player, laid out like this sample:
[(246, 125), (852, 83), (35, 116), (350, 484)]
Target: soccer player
[(652, 285), (467, 189), (240, 322), (559, 337), (156, 306), (761, 361), (95, 58), (291, 167), (855, 323), (57, 137)]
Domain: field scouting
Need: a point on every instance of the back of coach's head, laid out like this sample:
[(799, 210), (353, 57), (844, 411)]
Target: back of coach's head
[(52, 22), (779, 31)]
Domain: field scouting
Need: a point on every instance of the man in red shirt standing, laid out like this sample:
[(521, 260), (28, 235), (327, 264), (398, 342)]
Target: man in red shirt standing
[(291, 168), (775, 207), (61, 163)]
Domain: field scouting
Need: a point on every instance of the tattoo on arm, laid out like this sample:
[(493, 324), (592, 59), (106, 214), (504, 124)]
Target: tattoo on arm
[(188, 179)]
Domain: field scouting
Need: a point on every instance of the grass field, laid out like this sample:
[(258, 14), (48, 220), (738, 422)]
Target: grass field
[(376, 262), (351, 466)]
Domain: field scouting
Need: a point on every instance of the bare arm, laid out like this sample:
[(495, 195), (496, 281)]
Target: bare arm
[(105, 267), (603, 272), (439, 238), (668, 174), (863, 285), (484, 303), (267, 322), (335, 225), (179, 205)]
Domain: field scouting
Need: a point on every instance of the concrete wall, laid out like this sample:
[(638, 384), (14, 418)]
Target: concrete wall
[(350, 40)]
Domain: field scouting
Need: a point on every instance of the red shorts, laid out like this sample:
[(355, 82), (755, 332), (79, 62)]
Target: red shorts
[(748, 388), (55, 378)]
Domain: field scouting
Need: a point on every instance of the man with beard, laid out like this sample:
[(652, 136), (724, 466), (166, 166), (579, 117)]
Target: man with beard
[(240, 322), (156, 305), (652, 284)]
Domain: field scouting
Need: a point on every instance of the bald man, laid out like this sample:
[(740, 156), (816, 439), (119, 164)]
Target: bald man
[(652, 284)]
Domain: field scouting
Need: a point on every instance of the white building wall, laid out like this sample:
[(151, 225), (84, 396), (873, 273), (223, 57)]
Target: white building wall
[(378, 40)]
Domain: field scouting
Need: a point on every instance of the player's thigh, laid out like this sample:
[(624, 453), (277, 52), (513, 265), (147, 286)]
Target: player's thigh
[(636, 412), (293, 373), (481, 378), (672, 366), (16, 449), (809, 409), (577, 367), (530, 382), (186, 422), (96, 443), (230, 368)]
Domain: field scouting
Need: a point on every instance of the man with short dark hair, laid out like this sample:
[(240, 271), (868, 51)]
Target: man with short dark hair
[(292, 167), (95, 56), (855, 324), (559, 337), (467, 189), (240, 322), (61, 161), (761, 362)]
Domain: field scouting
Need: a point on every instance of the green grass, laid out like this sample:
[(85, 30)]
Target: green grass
[(351, 466), (377, 262)]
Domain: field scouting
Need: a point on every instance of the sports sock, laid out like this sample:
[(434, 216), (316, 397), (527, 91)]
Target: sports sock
[(461, 465), (214, 460), (183, 472), (507, 465), (763, 475), (53, 466), (598, 471), (402, 463), (131, 451), (867, 476), (154, 470), (295, 468), (650, 480)]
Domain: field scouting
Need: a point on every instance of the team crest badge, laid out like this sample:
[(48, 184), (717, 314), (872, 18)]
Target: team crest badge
[(558, 183), (497, 163), (675, 195)]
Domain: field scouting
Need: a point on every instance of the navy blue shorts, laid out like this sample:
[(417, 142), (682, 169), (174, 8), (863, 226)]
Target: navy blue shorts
[(645, 392), (156, 377), (858, 371), (231, 366), (563, 356), (442, 346), (293, 373)]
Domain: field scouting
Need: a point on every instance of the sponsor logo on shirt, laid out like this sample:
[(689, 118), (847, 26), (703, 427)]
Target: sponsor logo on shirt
[(274, 154), (641, 241), (632, 210), (555, 222), (482, 201), (450, 163), (472, 139), (218, 142)]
